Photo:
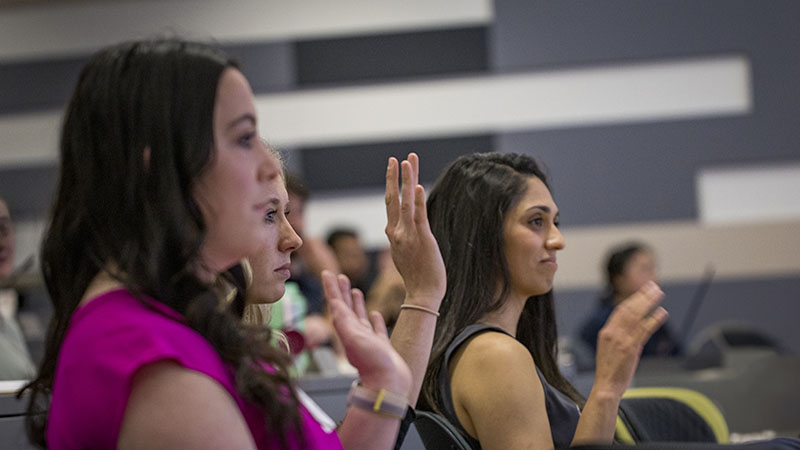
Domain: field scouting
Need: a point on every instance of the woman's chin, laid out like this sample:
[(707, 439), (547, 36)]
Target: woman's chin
[(277, 294)]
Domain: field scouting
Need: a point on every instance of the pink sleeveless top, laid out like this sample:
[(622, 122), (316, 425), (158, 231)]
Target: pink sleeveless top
[(107, 341)]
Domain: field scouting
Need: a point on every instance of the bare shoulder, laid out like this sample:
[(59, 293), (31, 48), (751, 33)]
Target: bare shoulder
[(497, 394), (490, 362), (496, 349), (174, 407)]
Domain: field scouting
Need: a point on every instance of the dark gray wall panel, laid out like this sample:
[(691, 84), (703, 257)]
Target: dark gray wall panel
[(392, 56), (364, 166), (771, 306), (28, 191), (34, 86), (545, 33), (645, 172), (269, 67), (42, 85)]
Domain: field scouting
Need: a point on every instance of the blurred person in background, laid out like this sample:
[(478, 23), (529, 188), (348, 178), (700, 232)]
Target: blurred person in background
[(15, 359), (308, 262), (351, 256), (387, 292), (629, 267)]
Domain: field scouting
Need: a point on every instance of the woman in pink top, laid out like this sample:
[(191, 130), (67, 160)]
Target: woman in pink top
[(164, 185)]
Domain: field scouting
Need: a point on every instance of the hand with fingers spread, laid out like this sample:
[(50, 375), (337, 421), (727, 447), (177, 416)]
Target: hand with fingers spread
[(364, 337), (414, 250), (620, 341)]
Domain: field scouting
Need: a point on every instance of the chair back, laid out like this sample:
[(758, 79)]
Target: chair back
[(669, 414), (437, 433)]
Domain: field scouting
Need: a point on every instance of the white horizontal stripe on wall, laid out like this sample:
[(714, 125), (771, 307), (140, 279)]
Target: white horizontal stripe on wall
[(652, 91), (606, 95), (29, 139), (365, 213), (48, 29), (684, 249), (761, 193)]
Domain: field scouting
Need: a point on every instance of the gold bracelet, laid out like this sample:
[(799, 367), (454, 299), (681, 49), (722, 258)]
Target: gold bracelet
[(419, 308), (382, 402)]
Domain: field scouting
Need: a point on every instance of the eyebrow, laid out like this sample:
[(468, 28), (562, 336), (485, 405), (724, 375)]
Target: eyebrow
[(543, 208), (540, 207), (244, 118)]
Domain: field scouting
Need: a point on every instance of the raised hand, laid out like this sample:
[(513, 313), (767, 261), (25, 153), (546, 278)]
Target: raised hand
[(416, 255), (414, 250), (364, 337), (620, 341)]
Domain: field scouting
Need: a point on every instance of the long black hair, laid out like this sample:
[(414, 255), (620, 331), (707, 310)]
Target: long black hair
[(136, 136), (467, 209)]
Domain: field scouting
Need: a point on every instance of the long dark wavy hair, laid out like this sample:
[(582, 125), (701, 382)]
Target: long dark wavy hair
[(467, 209), (116, 208)]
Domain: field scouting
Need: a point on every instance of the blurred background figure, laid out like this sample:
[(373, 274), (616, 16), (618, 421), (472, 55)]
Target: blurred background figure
[(314, 256), (629, 267), (351, 256), (303, 307), (387, 292), (15, 360)]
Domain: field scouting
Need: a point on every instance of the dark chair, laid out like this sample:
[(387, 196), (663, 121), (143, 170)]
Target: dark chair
[(669, 415), (437, 433)]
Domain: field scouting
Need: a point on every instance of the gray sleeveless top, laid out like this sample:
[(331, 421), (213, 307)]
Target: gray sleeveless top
[(562, 412)]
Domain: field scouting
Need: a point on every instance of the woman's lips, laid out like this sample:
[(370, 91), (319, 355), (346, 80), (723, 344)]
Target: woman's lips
[(550, 262), (284, 270)]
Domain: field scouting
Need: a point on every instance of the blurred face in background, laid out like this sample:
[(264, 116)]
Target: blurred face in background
[(352, 257), (298, 205), (6, 242), (639, 269)]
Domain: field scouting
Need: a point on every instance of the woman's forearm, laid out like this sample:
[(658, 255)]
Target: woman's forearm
[(412, 337), (366, 430), (598, 419)]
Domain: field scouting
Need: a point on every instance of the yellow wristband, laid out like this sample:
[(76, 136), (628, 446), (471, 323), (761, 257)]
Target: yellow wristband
[(382, 402)]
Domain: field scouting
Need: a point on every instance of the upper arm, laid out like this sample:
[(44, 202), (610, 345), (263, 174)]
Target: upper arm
[(177, 408), (498, 395)]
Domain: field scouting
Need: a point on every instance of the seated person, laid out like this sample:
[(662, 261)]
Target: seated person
[(314, 256), (351, 256), (492, 370), (629, 267), (15, 359), (287, 316), (161, 191), (387, 292)]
